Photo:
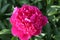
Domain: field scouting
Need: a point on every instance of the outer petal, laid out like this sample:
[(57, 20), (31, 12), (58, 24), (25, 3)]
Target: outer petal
[(14, 31), (45, 20), (14, 15), (24, 36)]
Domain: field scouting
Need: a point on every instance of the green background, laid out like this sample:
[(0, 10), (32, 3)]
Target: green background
[(50, 8)]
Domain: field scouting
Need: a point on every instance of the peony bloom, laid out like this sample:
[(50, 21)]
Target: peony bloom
[(27, 21)]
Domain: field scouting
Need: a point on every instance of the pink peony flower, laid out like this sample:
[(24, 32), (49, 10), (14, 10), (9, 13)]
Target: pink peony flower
[(27, 21)]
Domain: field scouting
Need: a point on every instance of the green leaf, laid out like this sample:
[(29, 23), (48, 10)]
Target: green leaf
[(0, 4), (50, 2), (51, 19), (2, 25), (5, 37), (39, 5), (5, 31), (13, 1), (55, 6), (48, 31), (57, 37), (59, 2), (51, 11), (4, 8), (37, 1), (14, 38), (21, 2)]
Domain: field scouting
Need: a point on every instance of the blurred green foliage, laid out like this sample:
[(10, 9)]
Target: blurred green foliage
[(50, 8)]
